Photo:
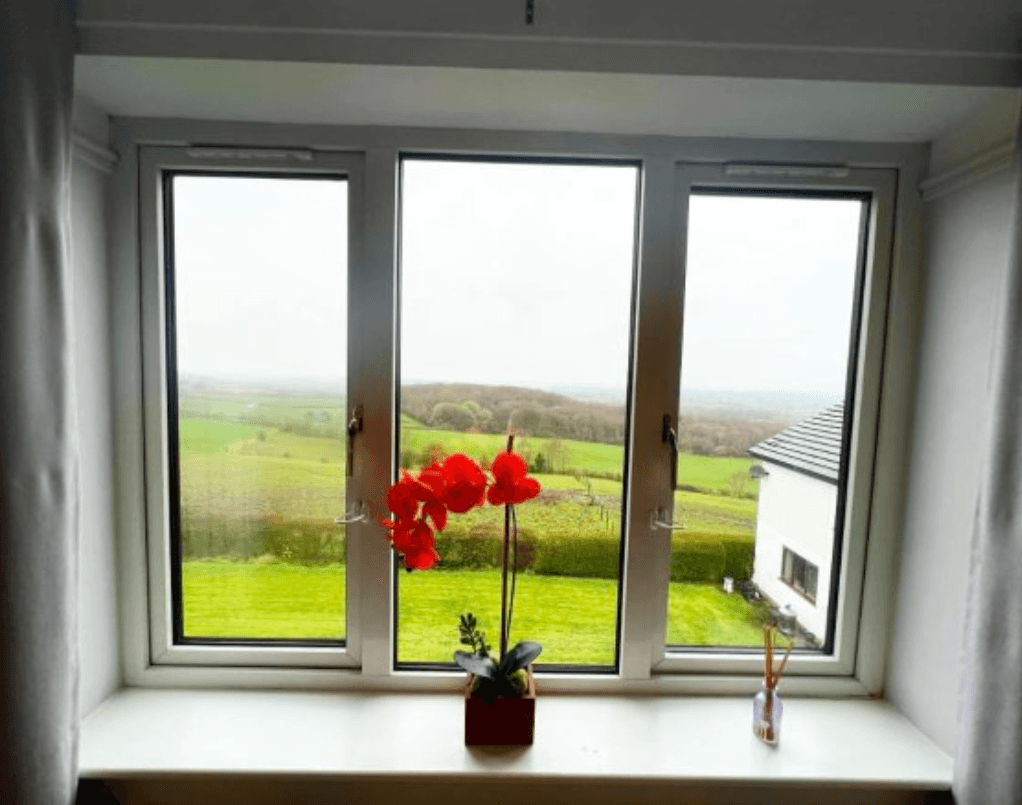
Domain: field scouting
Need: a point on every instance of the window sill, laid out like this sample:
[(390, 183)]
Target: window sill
[(142, 734)]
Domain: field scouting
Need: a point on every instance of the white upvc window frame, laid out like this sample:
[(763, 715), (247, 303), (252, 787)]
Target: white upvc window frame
[(154, 165), (367, 661), (875, 262)]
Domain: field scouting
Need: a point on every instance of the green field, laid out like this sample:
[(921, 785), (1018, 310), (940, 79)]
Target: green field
[(574, 619), (200, 436), (570, 458), (227, 463), (250, 479)]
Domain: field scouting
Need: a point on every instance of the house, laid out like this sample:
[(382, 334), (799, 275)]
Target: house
[(796, 515), (934, 84)]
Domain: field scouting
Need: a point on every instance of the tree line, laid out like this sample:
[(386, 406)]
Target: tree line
[(496, 409)]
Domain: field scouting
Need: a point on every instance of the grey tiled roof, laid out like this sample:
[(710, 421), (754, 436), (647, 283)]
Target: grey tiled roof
[(812, 446)]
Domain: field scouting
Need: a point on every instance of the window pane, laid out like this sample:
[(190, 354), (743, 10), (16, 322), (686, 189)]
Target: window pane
[(770, 291), (787, 566), (259, 279), (516, 299)]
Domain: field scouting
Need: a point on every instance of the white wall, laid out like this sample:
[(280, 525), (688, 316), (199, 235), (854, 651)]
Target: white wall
[(795, 511), (97, 598), (966, 270)]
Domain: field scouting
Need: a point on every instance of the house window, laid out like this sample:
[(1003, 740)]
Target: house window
[(800, 574), (314, 322)]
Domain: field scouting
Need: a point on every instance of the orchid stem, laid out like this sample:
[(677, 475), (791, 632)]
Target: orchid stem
[(503, 585), (503, 568), (514, 570)]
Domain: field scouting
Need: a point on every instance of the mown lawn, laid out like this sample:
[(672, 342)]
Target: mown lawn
[(574, 619)]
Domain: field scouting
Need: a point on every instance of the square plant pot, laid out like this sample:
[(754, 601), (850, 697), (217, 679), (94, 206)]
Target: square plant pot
[(502, 722)]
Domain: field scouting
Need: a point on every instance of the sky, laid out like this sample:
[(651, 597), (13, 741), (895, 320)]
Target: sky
[(512, 273), (260, 269)]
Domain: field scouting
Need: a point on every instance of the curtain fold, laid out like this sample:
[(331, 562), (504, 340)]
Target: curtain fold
[(38, 432), (988, 769)]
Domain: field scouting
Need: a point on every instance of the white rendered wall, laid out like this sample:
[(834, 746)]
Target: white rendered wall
[(797, 512), (97, 594), (966, 271)]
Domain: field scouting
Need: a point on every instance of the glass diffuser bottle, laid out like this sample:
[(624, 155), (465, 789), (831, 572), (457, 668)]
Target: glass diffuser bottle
[(767, 706)]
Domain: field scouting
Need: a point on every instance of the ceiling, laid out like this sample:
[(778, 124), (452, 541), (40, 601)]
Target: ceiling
[(302, 92)]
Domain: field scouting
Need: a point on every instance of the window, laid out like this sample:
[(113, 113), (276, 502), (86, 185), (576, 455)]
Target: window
[(516, 311), (249, 356), (659, 335), (773, 280), (800, 574), (256, 272)]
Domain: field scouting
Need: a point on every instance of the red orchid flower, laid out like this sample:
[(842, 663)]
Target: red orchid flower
[(415, 541), (401, 498), (466, 484), (511, 483), (429, 488)]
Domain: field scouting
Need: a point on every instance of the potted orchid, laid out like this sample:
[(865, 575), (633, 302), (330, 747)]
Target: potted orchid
[(500, 693)]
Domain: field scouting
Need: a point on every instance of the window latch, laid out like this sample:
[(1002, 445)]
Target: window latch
[(354, 428), (669, 436), (658, 519), (357, 515)]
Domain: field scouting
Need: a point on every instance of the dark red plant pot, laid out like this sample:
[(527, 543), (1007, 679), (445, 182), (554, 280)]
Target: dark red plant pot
[(502, 722)]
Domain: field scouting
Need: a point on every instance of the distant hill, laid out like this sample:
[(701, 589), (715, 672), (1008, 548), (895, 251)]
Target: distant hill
[(493, 409), (714, 423), (785, 406)]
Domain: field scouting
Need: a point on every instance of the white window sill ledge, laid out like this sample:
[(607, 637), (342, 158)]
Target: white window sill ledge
[(145, 734)]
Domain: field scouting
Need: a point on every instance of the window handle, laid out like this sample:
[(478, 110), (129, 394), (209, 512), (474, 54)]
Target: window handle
[(669, 436), (357, 515), (354, 428), (658, 519)]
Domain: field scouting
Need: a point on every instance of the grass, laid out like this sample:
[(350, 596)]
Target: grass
[(231, 446), (204, 437), (260, 407), (226, 599), (574, 619), (704, 615), (252, 486)]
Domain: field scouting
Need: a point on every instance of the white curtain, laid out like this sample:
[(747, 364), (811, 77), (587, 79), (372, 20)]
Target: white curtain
[(38, 433), (988, 769)]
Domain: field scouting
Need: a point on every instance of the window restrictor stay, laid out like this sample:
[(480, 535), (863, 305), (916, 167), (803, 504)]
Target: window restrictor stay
[(789, 171), (251, 154)]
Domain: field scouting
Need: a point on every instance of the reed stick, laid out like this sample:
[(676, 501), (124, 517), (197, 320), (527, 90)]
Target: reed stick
[(784, 662)]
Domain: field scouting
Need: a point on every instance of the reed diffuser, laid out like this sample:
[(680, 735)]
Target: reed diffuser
[(767, 706)]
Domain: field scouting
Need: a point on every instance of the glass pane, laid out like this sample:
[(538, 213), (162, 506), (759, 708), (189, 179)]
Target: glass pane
[(770, 289), (516, 298), (260, 299)]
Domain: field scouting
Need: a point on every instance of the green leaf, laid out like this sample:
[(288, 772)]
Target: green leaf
[(519, 657), (476, 664)]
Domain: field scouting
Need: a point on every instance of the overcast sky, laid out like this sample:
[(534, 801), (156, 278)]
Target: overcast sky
[(512, 273)]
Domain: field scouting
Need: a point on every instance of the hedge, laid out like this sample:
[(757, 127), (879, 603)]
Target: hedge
[(704, 557), (295, 541)]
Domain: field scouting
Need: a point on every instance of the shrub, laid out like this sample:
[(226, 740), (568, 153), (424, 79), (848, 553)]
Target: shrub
[(479, 547), (451, 416), (700, 557), (303, 542), (706, 557), (589, 557)]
